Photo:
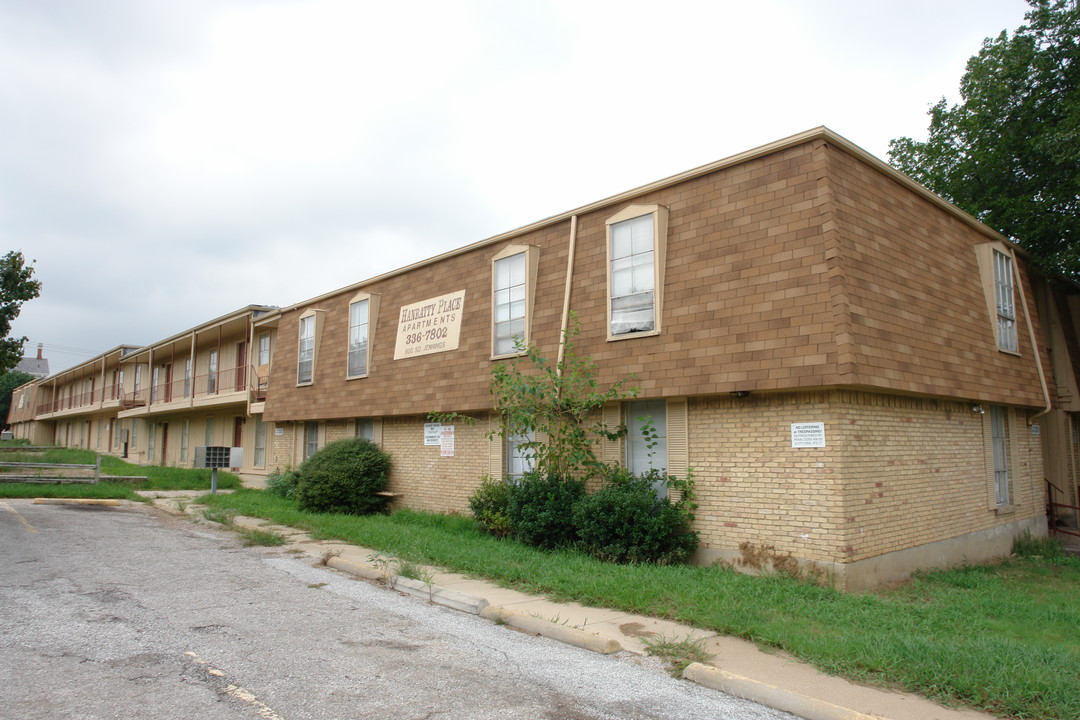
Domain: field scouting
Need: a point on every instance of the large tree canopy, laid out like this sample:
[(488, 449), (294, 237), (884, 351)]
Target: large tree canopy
[(17, 285), (1009, 154)]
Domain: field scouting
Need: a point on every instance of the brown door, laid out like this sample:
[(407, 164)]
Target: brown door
[(241, 367)]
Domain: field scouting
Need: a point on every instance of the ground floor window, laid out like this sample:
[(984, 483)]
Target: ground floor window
[(999, 430), (646, 438), (365, 428), (260, 442), (519, 460), (184, 432), (311, 439)]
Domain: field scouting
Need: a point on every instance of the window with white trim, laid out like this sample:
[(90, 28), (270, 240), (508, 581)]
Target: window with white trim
[(509, 303), (646, 439), (185, 432), (358, 338), (208, 434), (211, 373), (637, 240), (519, 460), (305, 355), (311, 439), (999, 432), (264, 349), (513, 288), (260, 442), (1004, 297)]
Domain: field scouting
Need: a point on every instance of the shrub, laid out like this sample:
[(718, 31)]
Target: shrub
[(489, 506), (283, 483), (541, 510), (625, 521), (344, 477)]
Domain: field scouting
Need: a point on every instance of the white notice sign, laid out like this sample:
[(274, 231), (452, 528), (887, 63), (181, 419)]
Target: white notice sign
[(446, 441), (432, 433), (808, 435), (430, 326)]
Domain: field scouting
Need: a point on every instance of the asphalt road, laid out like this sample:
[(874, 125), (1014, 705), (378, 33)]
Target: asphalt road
[(128, 613)]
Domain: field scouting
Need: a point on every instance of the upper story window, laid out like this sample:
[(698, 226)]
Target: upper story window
[(358, 338), (637, 242), (997, 270), (211, 373), (513, 282), (305, 355), (264, 349), (1005, 301)]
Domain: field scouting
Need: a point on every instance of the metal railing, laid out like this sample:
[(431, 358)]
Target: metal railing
[(1052, 514)]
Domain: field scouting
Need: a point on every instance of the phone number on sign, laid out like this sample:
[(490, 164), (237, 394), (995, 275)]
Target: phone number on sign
[(427, 335)]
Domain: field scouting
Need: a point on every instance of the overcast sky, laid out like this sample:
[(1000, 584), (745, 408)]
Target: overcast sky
[(169, 161)]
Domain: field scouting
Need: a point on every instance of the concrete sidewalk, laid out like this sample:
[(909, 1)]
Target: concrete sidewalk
[(736, 666)]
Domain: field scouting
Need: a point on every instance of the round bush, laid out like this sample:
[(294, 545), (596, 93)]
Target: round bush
[(344, 477), (541, 510), (625, 522), (488, 505)]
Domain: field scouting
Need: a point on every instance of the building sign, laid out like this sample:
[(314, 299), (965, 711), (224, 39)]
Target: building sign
[(808, 435), (432, 433), (429, 326), (446, 441)]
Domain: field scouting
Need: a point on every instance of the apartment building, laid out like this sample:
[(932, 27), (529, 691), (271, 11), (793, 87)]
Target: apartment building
[(852, 368), (856, 372), (155, 404)]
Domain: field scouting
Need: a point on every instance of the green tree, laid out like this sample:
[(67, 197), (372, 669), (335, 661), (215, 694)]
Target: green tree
[(8, 382), (1009, 154), (558, 405), (17, 285)]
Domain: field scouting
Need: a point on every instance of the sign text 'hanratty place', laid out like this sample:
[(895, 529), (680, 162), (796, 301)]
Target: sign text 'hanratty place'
[(430, 326)]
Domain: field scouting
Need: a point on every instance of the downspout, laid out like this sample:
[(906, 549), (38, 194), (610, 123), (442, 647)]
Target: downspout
[(1034, 345), (566, 294)]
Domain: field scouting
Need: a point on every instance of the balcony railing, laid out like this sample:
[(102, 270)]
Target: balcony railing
[(223, 382), (78, 400)]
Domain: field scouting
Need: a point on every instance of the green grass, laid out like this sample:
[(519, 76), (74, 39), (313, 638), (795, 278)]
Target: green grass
[(1001, 638), (157, 478)]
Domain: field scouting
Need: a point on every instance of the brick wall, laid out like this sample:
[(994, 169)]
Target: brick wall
[(425, 479)]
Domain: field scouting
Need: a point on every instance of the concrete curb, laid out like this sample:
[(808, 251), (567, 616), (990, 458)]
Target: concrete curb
[(105, 502), (417, 588), (770, 695), (562, 633)]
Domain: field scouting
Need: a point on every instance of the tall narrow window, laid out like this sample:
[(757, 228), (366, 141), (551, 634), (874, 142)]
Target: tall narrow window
[(211, 373), (1005, 299), (154, 380), (646, 439), (519, 460), (999, 431), (208, 434), (509, 303), (260, 442), (151, 435), (637, 240), (264, 349), (311, 439), (138, 378), (187, 377), (358, 338), (184, 433), (305, 359)]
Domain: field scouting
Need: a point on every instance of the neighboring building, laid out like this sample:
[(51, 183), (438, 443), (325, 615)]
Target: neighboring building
[(155, 404), (854, 369), (37, 367)]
